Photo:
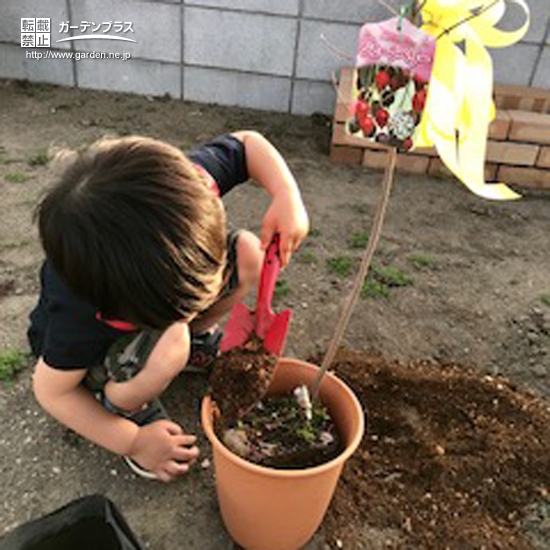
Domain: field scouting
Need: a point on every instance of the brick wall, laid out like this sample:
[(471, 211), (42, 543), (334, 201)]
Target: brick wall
[(253, 53), (518, 147)]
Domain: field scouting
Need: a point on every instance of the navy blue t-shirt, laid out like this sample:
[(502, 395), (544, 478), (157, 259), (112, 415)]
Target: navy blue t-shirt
[(64, 329)]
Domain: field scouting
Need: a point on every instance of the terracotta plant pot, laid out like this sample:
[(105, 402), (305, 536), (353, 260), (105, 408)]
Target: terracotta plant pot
[(270, 509)]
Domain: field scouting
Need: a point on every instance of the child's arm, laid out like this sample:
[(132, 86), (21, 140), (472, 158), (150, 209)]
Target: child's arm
[(286, 214), (160, 447)]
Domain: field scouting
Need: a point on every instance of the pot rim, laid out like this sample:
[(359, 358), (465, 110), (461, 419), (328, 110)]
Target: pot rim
[(289, 473)]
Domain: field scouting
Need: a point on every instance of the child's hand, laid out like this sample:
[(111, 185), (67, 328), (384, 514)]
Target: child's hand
[(163, 449), (287, 216)]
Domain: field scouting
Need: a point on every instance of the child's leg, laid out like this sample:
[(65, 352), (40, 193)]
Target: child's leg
[(140, 367), (244, 265), (243, 273), (136, 370)]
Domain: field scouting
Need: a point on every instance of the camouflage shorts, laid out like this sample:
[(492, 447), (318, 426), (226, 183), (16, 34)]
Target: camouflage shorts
[(124, 359)]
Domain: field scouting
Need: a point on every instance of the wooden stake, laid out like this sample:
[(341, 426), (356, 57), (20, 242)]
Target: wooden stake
[(366, 261)]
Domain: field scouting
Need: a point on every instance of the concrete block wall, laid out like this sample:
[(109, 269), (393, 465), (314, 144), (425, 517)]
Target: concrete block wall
[(253, 53)]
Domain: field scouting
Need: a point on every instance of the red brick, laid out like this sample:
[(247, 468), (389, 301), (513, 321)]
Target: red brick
[(342, 154), (530, 127), (426, 151), (541, 105), (413, 164), (500, 126), (507, 152), (491, 171), (543, 160), (523, 98), (438, 169), (525, 177), (535, 104), (507, 102), (406, 162)]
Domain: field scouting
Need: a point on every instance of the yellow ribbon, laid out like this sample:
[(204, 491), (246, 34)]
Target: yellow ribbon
[(459, 106)]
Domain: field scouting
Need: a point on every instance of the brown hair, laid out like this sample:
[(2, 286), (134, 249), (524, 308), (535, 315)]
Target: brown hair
[(133, 228)]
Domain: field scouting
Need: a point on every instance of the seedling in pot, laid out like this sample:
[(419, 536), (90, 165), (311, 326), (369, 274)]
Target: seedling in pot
[(281, 433)]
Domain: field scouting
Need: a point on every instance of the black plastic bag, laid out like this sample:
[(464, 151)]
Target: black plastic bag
[(89, 523)]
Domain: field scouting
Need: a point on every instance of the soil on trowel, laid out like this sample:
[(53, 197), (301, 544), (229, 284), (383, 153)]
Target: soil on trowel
[(240, 379), (279, 433), (450, 460)]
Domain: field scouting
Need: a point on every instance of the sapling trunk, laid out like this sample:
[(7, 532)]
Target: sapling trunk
[(366, 262)]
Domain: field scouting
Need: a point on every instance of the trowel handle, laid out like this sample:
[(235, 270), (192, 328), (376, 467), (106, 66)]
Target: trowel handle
[(270, 272)]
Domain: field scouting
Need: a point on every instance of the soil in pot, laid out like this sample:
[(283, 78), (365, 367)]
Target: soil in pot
[(278, 434), (277, 431)]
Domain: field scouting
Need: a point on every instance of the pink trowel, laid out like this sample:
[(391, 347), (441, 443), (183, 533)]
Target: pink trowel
[(270, 327)]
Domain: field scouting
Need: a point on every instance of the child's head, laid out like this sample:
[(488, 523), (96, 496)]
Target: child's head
[(132, 227)]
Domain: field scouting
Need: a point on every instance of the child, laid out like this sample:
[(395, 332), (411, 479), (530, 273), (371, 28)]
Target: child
[(139, 267)]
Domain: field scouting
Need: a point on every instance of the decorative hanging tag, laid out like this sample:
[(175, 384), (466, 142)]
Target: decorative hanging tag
[(393, 68)]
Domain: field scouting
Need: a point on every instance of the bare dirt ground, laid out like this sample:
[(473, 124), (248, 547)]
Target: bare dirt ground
[(470, 287)]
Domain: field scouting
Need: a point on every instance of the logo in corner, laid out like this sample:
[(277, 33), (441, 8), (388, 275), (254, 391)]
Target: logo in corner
[(35, 32)]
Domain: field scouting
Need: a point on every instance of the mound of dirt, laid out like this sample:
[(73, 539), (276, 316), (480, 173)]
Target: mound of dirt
[(450, 459)]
